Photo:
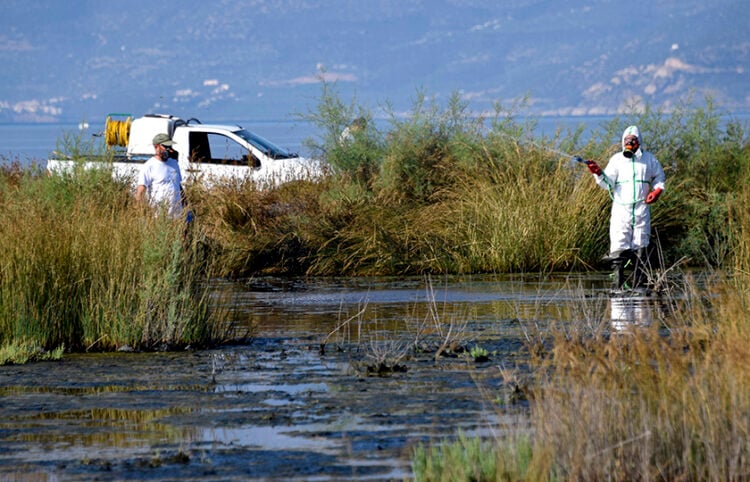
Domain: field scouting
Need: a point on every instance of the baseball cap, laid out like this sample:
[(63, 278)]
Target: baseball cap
[(163, 139)]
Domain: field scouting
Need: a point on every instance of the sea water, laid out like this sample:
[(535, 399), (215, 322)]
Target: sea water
[(28, 143)]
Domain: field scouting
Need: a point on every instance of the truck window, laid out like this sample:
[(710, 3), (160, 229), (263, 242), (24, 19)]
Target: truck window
[(227, 151), (199, 149)]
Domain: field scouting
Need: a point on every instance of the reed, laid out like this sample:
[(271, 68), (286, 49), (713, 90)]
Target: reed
[(739, 222), (524, 212), (649, 406), (448, 196), (442, 190), (83, 267), (669, 401), (21, 352), (251, 230)]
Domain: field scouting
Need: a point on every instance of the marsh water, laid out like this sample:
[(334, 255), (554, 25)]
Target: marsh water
[(340, 380)]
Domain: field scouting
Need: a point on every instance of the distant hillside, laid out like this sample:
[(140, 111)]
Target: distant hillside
[(68, 61)]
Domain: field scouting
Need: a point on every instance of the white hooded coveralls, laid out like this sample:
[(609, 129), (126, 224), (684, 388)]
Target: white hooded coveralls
[(629, 181)]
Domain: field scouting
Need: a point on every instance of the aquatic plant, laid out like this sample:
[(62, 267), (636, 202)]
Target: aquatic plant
[(469, 459), (19, 352), (384, 357), (249, 230), (431, 327), (479, 354)]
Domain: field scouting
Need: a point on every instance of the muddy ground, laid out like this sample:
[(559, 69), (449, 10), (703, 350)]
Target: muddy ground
[(279, 407), (273, 409)]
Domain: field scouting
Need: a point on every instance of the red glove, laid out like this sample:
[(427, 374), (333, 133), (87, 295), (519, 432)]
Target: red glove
[(654, 195), (594, 167)]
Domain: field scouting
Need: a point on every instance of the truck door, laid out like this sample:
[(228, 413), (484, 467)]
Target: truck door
[(199, 148), (227, 151)]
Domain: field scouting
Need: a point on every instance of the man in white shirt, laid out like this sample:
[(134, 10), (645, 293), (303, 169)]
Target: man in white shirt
[(160, 180)]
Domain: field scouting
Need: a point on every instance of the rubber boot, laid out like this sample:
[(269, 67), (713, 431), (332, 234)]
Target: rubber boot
[(640, 273), (618, 274)]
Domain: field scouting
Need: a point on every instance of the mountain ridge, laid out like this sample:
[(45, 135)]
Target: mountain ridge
[(266, 59)]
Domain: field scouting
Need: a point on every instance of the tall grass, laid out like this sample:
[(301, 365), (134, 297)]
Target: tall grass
[(739, 216), (647, 406), (524, 212), (84, 268), (669, 401), (443, 190), (251, 230), (635, 405)]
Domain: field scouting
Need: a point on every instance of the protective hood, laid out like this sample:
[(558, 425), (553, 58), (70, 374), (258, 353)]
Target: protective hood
[(631, 131)]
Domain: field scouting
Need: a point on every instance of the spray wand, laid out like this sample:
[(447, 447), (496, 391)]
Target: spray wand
[(592, 166), (550, 149)]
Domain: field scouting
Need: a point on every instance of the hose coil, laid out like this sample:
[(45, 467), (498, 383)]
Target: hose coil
[(117, 132)]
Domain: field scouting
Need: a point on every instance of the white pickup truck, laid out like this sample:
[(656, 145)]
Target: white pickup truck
[(205, 152)]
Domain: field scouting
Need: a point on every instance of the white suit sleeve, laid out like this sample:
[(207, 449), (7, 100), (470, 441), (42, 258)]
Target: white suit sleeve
[(657, 177), (609, 176)]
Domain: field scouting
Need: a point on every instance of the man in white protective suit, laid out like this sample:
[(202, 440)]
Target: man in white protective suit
[(635, 180)]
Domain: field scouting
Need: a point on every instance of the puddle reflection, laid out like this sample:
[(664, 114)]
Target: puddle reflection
[(107, 430), (631, 312), (289, 389), (319, 305), (268, 438)]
